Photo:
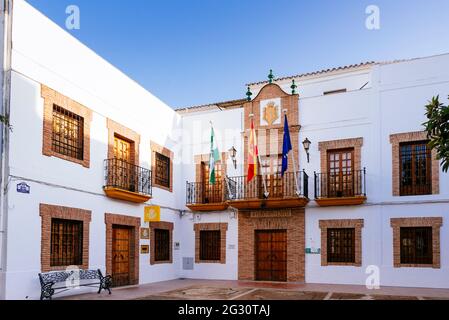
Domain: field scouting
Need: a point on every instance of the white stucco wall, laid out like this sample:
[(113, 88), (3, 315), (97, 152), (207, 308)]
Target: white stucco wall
[(392, 102), (44, 53)]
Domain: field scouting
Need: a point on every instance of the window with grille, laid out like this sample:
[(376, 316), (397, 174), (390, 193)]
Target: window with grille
[(415, 168), (162, 174), (210, 245), (66, 243), (416, 245), (68, 133), (162, 245), (341, 245)]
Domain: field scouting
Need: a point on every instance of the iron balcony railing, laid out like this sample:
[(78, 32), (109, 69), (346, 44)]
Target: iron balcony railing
[(341, 184), (275, 186), (127, 176), (205, 192)]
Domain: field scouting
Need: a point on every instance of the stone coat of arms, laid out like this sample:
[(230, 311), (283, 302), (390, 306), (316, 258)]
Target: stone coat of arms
[(271, 113)]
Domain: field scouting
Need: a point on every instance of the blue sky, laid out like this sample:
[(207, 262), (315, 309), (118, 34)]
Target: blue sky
[(190, 52)]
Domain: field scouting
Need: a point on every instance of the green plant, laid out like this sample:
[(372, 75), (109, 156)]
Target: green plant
[(437, 128)]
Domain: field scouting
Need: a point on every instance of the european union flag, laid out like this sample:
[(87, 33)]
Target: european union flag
[(286, 147)]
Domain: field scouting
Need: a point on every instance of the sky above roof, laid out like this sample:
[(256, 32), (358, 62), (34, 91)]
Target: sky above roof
[(193, 52)]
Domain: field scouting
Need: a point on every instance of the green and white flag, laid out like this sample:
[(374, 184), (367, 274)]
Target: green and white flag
[(214, 157)]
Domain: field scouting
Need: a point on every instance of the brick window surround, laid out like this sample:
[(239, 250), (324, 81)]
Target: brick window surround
[(200, 158), (357, 224), (222, 227), (49, 212), (355, 143), (396, 140), (398, 223), (165, 226), (116, 129), (128, 221), (51, 98), (165, 152)]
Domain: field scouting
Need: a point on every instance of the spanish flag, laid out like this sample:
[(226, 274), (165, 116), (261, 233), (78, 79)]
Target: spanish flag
[(253, 153)]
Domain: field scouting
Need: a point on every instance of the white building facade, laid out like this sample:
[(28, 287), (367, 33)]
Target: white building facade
[(90, 150)]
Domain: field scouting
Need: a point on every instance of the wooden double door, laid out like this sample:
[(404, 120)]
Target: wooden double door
[(271, 255), (122, 257)]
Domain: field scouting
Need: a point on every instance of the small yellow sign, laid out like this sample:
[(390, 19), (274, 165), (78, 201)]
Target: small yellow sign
[(152, 214)]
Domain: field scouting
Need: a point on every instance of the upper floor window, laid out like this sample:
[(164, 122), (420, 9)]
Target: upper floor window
[(341, 245), (162, 174), (340, 168), (415, 168), (68, 133), (416, 245), (66, 243)]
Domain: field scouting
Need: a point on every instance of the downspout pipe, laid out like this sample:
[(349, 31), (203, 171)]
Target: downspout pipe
[(7, 9)]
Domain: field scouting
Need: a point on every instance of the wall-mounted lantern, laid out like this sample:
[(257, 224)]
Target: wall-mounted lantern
[(306, 143), (233, 155)]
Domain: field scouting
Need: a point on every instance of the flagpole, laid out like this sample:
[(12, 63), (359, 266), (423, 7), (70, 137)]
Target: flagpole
[(294, 166), (266, 194)]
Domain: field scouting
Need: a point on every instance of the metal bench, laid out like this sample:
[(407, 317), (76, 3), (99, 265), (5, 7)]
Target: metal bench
[(56, 282)]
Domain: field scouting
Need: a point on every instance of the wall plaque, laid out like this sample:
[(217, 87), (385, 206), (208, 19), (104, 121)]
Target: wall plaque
[(144, 233), (145, 249), (283, 213)]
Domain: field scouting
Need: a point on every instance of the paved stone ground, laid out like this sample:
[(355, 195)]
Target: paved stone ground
[(190, 289), (249, 294)]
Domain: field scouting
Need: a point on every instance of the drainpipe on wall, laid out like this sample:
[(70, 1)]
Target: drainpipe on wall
[(4, 150)]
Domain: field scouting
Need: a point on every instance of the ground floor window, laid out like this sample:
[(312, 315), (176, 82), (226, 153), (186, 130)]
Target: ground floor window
[(341, 242), (341, 245), (416, 242), (416, 245), (210, 242), (162, 245), (210, 245), (161, 236), (66, 243), (64, 237)]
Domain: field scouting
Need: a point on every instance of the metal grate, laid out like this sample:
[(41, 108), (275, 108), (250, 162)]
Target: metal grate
[(66, 243), (341, 245), (210, 245), (162, 174), (162, 245), (124, 175), (277, 186), (416, 245), (415, 169), (67, 136), (331, 185)]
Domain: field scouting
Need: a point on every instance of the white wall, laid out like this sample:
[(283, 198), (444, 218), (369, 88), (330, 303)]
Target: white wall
[(44, 53), (392, 102), (227, 271), (2, 227)]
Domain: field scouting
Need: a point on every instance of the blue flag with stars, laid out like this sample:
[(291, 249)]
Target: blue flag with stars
[(286, 146)]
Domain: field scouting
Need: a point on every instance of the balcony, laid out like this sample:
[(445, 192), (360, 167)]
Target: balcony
[(126, 181), (340, 189), (276, 193), (203, 196)]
